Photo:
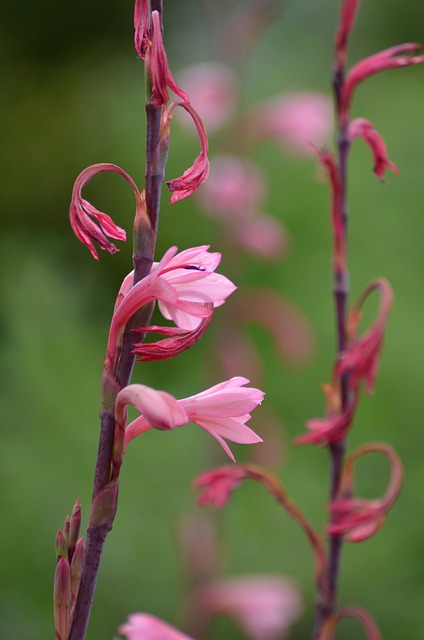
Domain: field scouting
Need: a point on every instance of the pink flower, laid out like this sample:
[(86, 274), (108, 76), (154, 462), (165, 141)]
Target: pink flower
[(179, 341), (185, 285), (334, 427), (195, 175), (294, 120), (141, 27), (81, 212), (143, 626), (363, 128), (346, 22), (218, 484), (212, 87), (260, 235), (381, 61), (361, 358), (235, 187), (357, 519), (221, 410), (264, 606), (161, 74)]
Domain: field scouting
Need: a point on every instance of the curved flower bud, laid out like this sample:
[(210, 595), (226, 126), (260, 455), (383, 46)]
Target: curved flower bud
[(264, 606), (185, 285), (161, 74), (180, 341), (141, 27), (221, 410), (358, 519), (361, 358), (345, 26), (195, 175), (360, 127), (381, 61), (143, 626), (82, 212), (334, 427), (327, 632)]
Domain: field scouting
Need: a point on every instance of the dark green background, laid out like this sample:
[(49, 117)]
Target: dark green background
[(72, 95)]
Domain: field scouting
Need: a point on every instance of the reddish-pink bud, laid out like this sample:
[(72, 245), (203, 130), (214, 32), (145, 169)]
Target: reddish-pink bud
[(360, 127), (162, 77), (346, 22), (141, 26)]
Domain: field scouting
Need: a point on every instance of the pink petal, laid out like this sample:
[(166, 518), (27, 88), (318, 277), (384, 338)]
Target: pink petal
[(143, 626)]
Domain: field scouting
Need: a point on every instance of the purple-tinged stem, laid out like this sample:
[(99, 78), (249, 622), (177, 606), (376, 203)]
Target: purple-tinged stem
[(327, 605), (143, 257)]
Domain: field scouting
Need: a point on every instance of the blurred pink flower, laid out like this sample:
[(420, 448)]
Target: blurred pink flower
[(264, 606), (235, 187), (221, 410), (212, 87), (295, 120), (195, 175), (185, 284), (143, 626), (82, 212), (360, 127), (260, 235), (345, 26)]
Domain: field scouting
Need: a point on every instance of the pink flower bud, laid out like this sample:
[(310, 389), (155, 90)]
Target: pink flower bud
[(141, 26), (161, 74), (363, 128), (62, 599)]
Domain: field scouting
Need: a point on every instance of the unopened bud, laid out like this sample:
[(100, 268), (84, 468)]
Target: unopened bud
[(61, 545), (76, 567), (74, 528), (62, 599)]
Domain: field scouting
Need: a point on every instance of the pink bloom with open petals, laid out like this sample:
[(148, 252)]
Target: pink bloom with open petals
[(295, 120), (360, 127), (195, 175), (161, 74), (212, 87), (143, 626), (357, 519), (361, 358), (221, 410), (264, 606), (185, 284), (381, 61), (141, 27), (82, 212)]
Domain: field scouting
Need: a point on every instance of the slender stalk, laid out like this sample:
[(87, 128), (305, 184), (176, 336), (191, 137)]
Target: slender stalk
[(113, 382)]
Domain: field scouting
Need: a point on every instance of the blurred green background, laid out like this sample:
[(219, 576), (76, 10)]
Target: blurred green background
[(72, 95)]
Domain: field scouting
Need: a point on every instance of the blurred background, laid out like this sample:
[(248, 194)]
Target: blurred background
[(73, 95)]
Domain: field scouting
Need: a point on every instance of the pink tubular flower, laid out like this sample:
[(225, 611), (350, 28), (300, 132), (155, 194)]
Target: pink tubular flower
[(362, 355), (381, 61), (185, 285), (334, 427), (141, 27), (81, 212), (212, 87), (221, 410), (161, 74), (363, 128), (294, 120), (143, 626), (180, 340), (358, 519), (218, 484), (195, 175), (346, 22), (264, 606)]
